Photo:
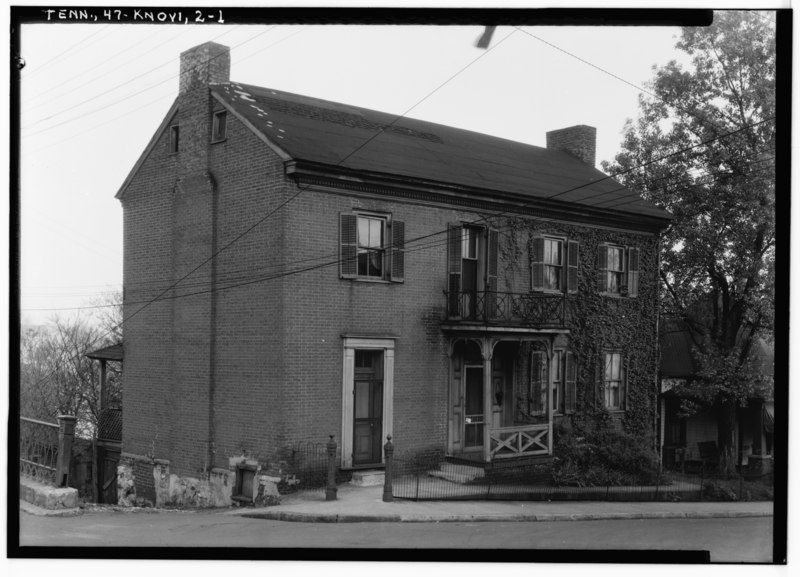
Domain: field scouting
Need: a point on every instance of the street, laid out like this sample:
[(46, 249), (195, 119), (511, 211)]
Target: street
[(735, 540)]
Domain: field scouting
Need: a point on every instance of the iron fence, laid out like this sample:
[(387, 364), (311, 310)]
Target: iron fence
[(529, 309), (429, 475), (306, 466), (38, 459)]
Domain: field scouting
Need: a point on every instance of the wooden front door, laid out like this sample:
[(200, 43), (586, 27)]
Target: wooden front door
[(367, 408), (107, 475), (474, 420)]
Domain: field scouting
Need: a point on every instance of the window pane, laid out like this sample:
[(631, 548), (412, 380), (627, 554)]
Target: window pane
[(361, 399), (363, 231), (552, 251), (375, 233)]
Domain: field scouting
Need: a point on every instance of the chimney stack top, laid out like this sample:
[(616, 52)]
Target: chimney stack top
[(580, 141), (208, 63)]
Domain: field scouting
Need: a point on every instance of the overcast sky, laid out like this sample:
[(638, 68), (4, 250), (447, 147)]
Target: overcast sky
[(92, 96)]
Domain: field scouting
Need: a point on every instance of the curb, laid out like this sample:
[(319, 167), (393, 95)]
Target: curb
[(32, 509), (296, 517)]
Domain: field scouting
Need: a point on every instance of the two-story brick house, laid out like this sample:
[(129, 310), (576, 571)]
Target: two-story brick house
[(296, 268)]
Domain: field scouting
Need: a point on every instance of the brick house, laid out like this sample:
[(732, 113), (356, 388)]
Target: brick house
[(343, 271)]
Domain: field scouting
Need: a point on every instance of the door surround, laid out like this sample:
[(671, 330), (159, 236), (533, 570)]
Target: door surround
[(350, 345)]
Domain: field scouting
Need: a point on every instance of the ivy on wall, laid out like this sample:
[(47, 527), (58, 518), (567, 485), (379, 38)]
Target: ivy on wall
[(598, 323)]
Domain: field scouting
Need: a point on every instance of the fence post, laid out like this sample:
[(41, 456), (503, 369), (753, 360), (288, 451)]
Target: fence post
[(330, 489), (66, 432), (388, 450)]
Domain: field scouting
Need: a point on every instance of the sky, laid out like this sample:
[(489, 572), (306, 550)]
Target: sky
[(92, 95)]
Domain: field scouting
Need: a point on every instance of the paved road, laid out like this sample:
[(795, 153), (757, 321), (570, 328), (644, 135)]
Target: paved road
[(728, 540)]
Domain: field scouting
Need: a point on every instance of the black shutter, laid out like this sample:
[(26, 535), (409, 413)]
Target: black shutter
[(491, 272), (348, 245), (570, 380), (398, 250), (537, 264), (633, 272), (572, 266), (602, 268), (454, 239)]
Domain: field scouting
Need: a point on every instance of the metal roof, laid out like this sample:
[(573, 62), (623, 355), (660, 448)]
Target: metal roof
[(350, 137), (110, 353)]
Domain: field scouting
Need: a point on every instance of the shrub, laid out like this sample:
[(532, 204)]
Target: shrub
[(600, 455)]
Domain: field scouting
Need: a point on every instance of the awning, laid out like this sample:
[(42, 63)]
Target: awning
[(768, 418)]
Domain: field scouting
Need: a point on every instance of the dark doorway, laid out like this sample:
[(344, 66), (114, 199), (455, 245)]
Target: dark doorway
[(367, 408)]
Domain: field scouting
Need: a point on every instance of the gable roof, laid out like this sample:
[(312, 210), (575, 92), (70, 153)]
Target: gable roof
[(677, 359), (333, 134)]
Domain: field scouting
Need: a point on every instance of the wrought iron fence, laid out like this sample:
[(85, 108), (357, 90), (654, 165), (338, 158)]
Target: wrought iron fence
[(306, 467), (429, 475), (38, 458), (530, 309)]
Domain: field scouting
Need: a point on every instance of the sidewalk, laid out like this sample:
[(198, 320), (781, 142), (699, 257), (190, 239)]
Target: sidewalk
[(365, 504)]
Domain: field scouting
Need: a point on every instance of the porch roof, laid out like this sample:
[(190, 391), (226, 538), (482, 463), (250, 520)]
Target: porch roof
[(110, 353)]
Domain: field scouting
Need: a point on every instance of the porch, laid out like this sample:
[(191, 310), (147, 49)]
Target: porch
[(504, 389)]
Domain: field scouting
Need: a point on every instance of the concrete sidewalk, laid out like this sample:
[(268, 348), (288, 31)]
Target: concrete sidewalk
[(365, 504)]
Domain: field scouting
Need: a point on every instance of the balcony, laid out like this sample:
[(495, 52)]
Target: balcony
[(537, 310)]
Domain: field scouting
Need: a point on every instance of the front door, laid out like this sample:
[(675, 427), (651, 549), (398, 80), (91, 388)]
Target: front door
[(473, 408), (367, 407)]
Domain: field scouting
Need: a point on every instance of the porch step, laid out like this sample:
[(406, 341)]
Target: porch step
[(457, 473), (369, 478)]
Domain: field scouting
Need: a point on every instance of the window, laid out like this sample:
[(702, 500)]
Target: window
[(371, 247), (472, 261), (618, 270), (614, 385), (563, 373), (174, 132), (554, 264), (219, 126)]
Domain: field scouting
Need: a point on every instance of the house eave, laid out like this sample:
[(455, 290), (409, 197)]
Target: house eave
[(323, 175)]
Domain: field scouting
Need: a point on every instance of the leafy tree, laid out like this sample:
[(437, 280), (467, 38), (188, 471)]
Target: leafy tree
[(717, 108), (57, 378)]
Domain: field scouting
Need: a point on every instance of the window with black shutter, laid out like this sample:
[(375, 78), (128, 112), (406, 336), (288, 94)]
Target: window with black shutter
[(371, 247)]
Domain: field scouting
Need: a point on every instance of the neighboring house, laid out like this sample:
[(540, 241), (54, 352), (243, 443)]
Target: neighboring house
[(296, 268), (683, 430)]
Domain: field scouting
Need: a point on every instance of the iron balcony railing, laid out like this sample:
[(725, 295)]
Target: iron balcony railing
[(38, 459), (526, 309)]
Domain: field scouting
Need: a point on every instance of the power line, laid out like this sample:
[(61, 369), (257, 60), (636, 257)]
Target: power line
[(63, 53), (159, 83), (233, 282)]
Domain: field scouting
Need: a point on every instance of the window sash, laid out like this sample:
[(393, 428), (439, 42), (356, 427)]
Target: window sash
[(557, 378), (219, 127), (613, 381), (371, 252)]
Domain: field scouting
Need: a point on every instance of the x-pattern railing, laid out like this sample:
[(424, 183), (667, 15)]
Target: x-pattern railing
[(519, 441)]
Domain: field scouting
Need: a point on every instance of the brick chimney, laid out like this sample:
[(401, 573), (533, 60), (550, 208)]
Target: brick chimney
[(580, 141), (208, 63)]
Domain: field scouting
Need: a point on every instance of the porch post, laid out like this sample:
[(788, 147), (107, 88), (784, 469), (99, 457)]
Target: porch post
[(487, 347), (549, 397), (103, 388)]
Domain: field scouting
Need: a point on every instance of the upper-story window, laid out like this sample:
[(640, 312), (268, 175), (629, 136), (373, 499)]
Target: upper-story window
[(174, 133), (618, 270), (371, 251), (219, 126), (372, 247), (554, 264), (472, 261)]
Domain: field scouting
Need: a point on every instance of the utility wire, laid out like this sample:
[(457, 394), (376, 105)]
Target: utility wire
[(159, 83), (64, 53), (233, 282), (279, 207)]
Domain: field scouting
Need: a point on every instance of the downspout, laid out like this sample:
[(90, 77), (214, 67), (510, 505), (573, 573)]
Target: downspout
[(212, 329), (656, 427)]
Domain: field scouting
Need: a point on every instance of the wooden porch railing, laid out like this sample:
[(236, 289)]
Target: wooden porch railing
[(520, 441)]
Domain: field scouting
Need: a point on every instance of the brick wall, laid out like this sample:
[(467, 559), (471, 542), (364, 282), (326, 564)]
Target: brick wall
[(256, 363)]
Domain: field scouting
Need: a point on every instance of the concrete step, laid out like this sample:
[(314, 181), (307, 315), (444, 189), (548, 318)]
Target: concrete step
[(457, 473), (369, 478)]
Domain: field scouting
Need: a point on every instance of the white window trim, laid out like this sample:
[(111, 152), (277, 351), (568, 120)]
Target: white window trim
[(351, 344)]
